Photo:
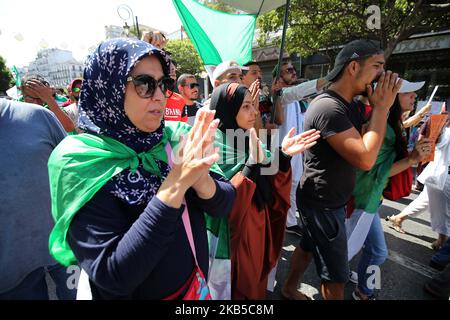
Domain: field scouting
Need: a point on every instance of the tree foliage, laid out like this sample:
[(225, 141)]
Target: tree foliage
[(6, 78), (326, 24), (219, 6), (186, 57)]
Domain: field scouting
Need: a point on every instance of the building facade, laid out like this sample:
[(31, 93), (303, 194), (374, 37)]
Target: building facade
[(58, 66), (112, 32), (425, 58)]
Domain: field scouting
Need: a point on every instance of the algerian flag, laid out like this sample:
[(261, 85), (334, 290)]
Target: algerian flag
[(217, 36), (15, 92), (60, 100), (16, 75)]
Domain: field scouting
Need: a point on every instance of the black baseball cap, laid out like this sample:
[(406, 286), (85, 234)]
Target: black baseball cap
[(355, 50)]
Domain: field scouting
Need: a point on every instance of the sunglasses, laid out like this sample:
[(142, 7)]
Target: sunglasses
[(290, 70), (76, 89), (146, 85), (193, 85)]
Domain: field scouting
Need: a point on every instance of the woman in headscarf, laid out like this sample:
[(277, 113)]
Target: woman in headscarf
[(117, 199), (257, 220)]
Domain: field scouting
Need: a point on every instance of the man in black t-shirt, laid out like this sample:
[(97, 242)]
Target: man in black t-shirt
[(329, 167), (188, 88)]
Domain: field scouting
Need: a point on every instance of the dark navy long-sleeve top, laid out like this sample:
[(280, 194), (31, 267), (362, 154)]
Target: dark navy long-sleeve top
[(142, 252)]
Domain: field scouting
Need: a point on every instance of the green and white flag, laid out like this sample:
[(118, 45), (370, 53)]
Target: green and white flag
[(14, 92), (217, 36), (16, 75)]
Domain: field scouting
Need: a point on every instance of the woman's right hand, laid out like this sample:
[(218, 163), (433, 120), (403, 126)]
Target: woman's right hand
[(192, 159), (196, 152)]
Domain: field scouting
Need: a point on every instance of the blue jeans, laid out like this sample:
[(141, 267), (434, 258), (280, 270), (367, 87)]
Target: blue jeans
[(34, 286), (442, 256), (374, 253)]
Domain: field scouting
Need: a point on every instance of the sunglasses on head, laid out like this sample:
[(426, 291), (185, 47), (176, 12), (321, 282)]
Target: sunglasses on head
[(193, 85), (146, 85)]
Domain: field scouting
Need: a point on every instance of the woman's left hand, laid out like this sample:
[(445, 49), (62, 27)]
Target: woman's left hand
[(255, 148), (299, 143)]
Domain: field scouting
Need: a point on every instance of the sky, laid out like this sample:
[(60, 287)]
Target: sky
[(26, 26)]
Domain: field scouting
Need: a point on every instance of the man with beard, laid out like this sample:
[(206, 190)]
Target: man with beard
[(188, 88), (329, 167), (74, 90), (290, 113)]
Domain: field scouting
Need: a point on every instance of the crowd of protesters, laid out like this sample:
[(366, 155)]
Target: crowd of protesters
[(152, 194)]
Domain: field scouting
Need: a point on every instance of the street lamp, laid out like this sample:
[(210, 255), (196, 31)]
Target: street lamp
[(125, 13)]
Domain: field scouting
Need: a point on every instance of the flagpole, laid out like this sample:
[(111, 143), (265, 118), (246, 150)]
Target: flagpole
[(280, 57)]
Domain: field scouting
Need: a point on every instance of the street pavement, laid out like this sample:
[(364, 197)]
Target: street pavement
[(403, 273)]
